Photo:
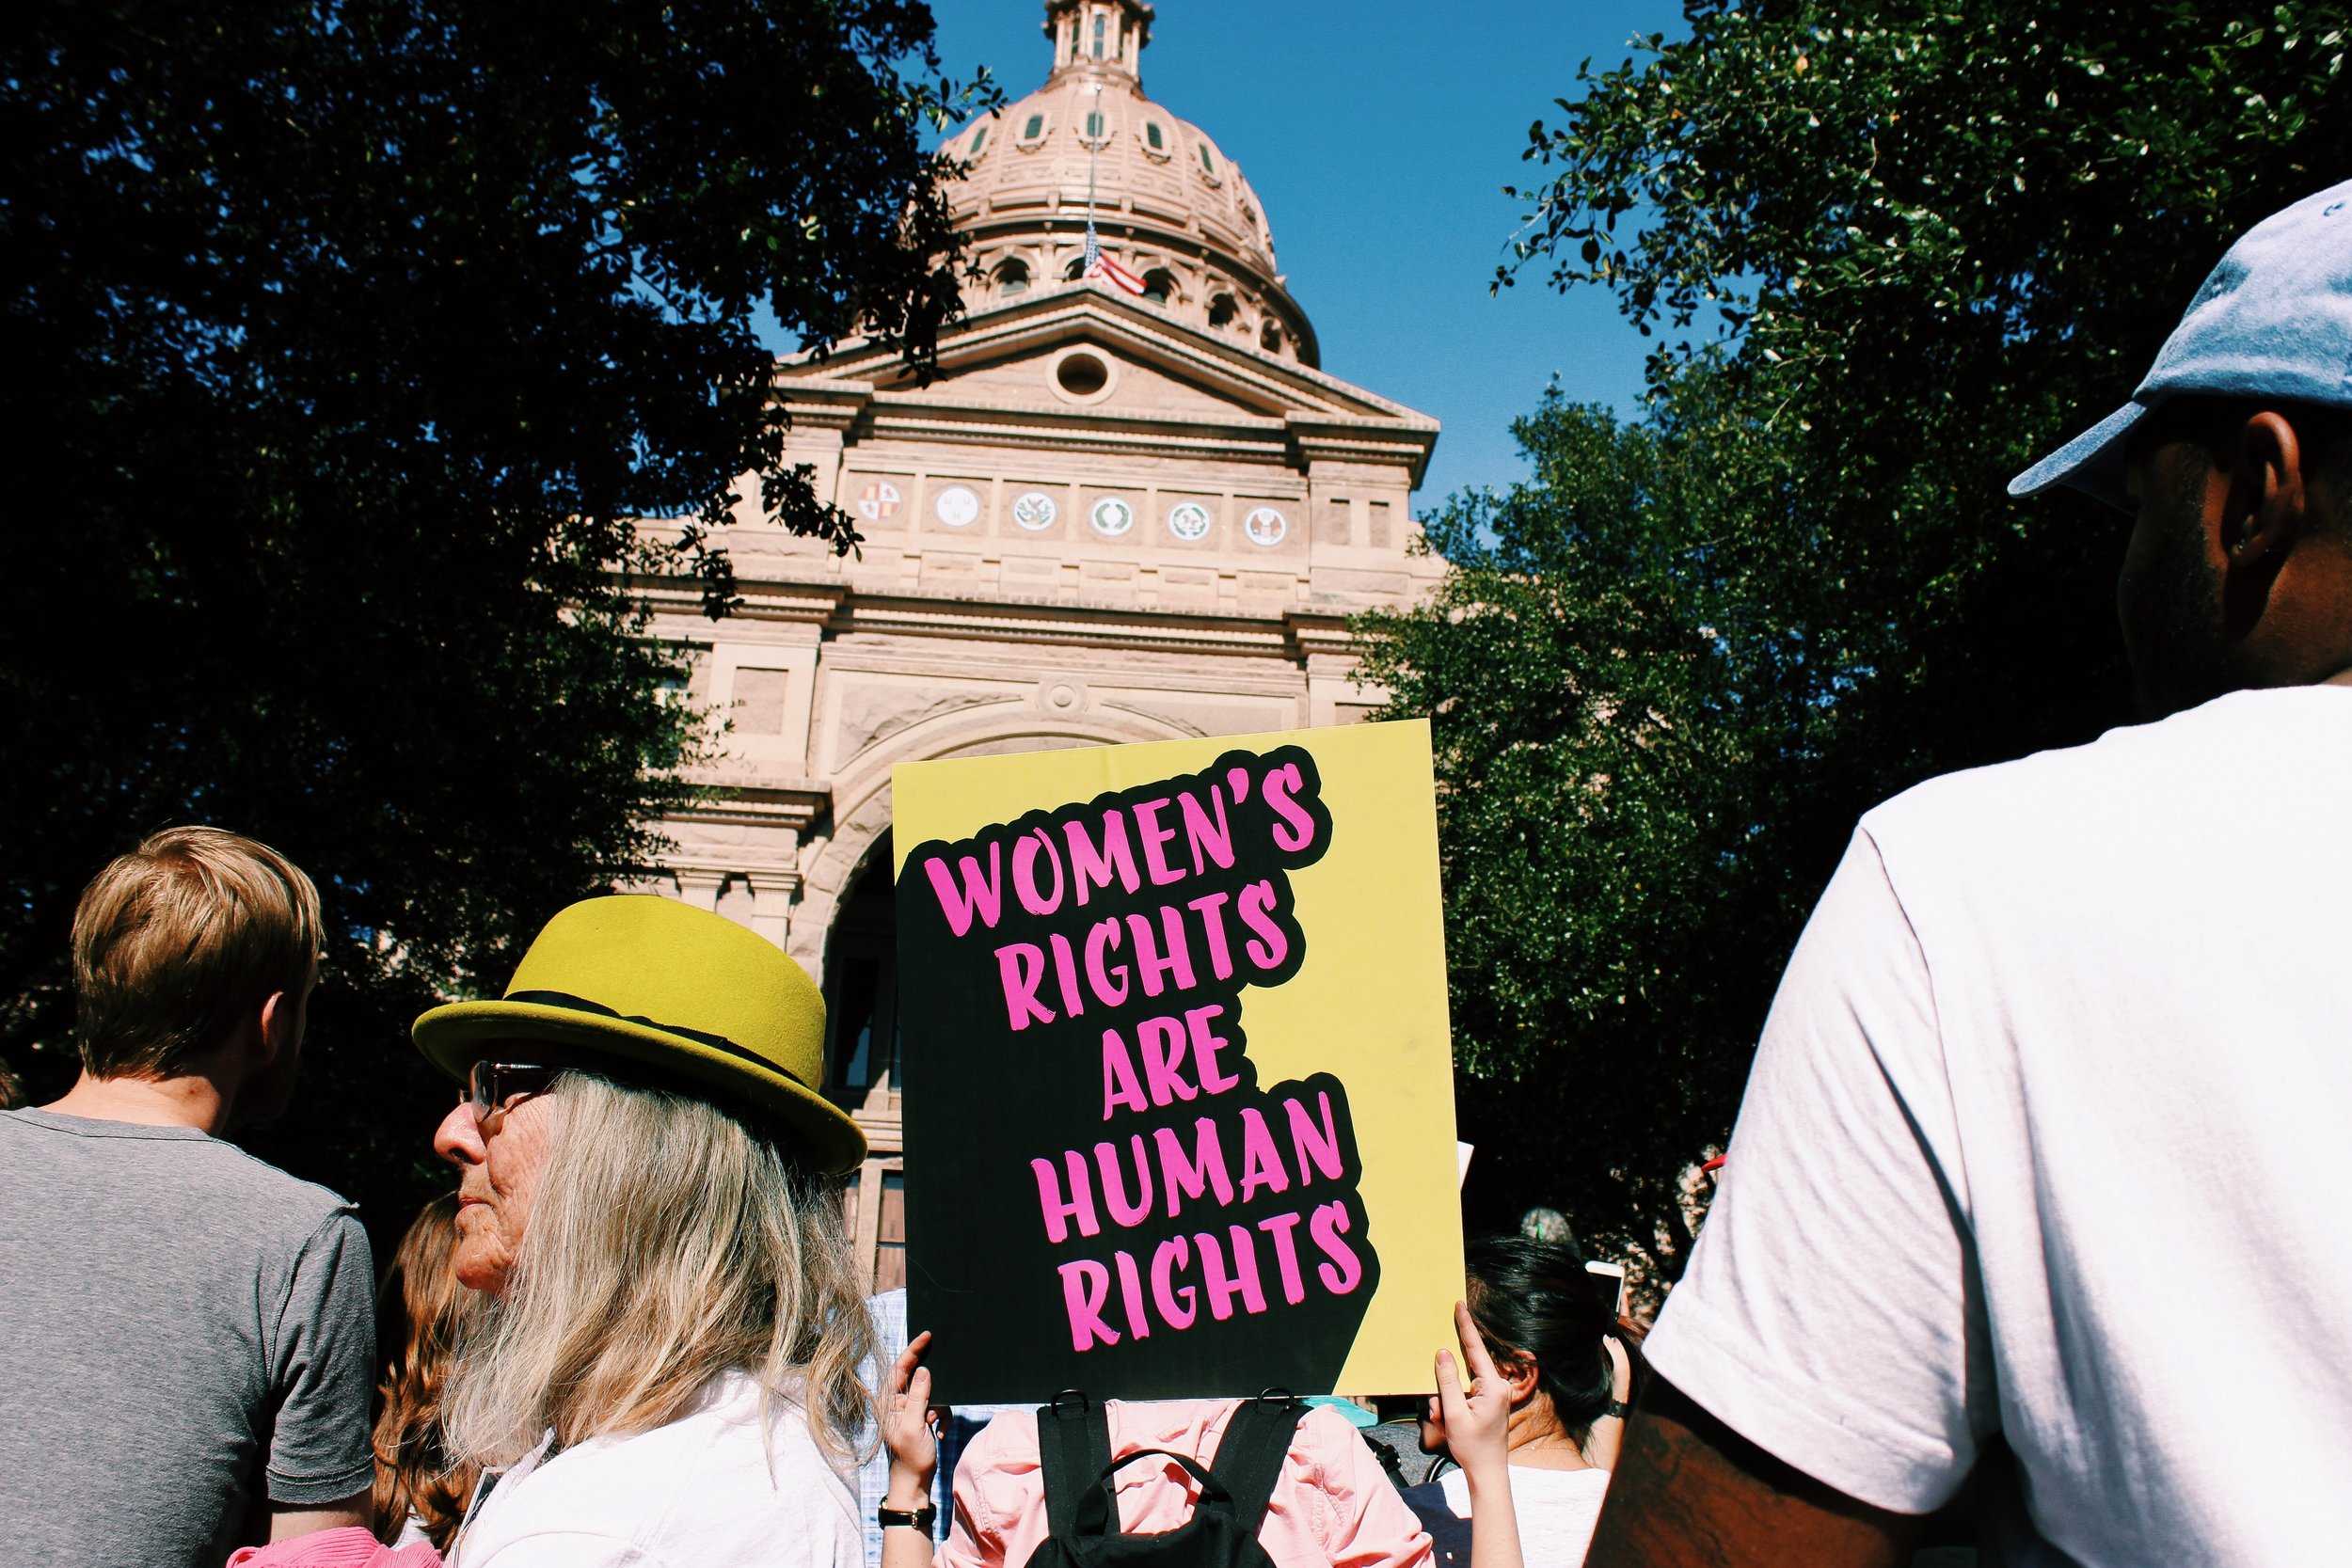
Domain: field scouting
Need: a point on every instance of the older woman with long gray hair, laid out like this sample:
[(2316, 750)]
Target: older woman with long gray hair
[(665, 1370)]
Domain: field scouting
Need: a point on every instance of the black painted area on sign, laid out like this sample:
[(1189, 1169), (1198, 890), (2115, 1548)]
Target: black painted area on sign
[(1105, 1195)]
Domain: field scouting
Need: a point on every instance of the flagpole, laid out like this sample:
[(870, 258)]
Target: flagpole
[(1093, 246)]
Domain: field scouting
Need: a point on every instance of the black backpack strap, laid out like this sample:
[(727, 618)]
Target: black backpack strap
[(1073, 1448), (1249, 1456), (1098, 1513)]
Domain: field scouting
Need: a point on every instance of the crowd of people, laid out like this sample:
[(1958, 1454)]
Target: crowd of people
[(2038, 1098)]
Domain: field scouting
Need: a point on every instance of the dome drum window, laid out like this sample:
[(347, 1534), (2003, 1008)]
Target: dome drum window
[(1154, 142), (1159, 285), (1222, 310), (1033, 130), (1270, 338), (1013, 277), (1095, 128)]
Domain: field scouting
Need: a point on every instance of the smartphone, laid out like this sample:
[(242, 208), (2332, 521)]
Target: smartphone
[(1609, 1287)]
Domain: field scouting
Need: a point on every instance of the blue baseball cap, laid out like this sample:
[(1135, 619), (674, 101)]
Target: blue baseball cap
[(2274, 320)]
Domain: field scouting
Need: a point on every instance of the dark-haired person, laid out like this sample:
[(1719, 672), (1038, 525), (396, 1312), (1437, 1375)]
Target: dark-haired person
[(186, 1334), (1549, 1337), (419, 1494), (2035, 1107)]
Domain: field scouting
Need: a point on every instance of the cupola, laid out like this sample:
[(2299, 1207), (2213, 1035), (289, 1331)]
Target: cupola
[(1167, 204)]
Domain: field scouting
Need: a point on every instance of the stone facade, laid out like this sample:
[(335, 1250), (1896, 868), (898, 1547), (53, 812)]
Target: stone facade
[(1110, 517)]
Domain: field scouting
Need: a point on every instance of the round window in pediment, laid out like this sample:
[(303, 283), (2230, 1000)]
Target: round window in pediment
[(1082, 375)]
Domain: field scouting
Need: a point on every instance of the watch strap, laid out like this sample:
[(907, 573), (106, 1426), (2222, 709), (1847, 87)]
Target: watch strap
[(914, 1518)]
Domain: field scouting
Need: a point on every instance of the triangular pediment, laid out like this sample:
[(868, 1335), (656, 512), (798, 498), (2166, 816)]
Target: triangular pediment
[(1161, 368), (1139, 386)]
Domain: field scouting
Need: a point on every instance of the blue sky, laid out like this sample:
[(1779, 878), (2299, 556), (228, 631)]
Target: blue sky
[(1379, 133)]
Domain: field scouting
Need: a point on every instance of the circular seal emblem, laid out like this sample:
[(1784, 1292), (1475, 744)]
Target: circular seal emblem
[(1188, 521), (1035, 510), (878, 501), (956, 506), (1265, 525), (1112, 517)]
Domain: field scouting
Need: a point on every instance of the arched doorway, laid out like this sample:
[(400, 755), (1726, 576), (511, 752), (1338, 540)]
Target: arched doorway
[(851, 939), (862, 988), (861, 1064)]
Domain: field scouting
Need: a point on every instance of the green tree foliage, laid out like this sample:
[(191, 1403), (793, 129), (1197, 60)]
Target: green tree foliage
[(345, 341), (1894, 250)]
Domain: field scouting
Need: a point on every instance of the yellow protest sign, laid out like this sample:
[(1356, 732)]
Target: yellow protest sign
[(1176, 1062)]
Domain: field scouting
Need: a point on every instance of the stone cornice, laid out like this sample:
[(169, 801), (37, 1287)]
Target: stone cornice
[(1292, 634), (787, 599), (1318, 631), (1000, 619), (1324, 438), (828, 404), (922, 418), (739, 798)]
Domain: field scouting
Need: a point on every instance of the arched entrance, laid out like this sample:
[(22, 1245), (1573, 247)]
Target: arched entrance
[(848, 934), (861, 1063), (862, 988)]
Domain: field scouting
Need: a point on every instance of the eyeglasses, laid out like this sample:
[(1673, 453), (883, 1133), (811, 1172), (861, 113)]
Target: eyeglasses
[(492, 1089)]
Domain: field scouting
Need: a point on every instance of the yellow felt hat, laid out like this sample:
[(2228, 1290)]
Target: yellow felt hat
[(689, 993)]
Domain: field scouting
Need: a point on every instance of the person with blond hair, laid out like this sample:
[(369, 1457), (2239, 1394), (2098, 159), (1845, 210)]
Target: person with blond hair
[(190, 1332), (663, 1365), (419, 1494)]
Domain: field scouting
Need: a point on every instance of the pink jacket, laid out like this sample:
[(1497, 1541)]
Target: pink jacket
[(347, 1548), (1333, 1507)]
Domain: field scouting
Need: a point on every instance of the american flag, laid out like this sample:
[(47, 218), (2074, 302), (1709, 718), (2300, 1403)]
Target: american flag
[(1102, 266)]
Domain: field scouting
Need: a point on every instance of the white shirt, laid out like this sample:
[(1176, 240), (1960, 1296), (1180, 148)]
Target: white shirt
[(698, 1492), (1556, 1512), (2046, 1136)]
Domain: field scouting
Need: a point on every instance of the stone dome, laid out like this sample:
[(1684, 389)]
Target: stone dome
[(1168, 204)]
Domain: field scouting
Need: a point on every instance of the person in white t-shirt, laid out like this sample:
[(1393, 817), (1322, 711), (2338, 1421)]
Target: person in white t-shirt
[(1549, 1334), (2037, 1140)]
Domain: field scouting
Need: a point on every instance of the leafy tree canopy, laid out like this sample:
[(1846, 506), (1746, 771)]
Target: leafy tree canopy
[(346, 342), (1894, 249)]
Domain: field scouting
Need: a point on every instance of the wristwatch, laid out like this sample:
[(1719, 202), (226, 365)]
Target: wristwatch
[(914, 1518)]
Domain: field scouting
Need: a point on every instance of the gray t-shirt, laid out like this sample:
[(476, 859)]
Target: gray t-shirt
[(183, 1328)]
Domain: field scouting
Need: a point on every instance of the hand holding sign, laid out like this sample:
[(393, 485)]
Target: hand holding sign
[(908, 1424)]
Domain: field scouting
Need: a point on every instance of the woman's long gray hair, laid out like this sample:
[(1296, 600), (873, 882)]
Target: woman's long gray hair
[(666, 1244)]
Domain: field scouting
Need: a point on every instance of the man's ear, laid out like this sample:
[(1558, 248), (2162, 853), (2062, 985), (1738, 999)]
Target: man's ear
[(2268, 502), (2263, 516), (280, 1017)]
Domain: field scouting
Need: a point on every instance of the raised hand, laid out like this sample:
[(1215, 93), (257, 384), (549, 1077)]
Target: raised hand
[(1478, 1417), (1477, 1435), (907, 1425)]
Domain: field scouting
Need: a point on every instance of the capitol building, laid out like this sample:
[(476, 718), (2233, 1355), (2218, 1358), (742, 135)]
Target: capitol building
[(1112, 515)]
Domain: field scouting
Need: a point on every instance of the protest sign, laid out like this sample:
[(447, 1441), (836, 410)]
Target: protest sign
[(1177, 1081)]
